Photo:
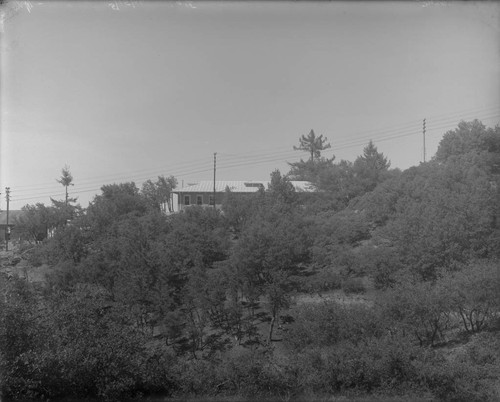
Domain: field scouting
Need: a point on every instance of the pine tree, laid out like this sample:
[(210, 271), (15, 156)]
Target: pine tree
[(312, 144), (66, 180), (373, 159)]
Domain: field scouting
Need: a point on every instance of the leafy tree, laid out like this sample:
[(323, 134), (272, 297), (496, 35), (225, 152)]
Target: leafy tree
[(421, 308), (380, 205), (346, 180), (20, 332), (78, 344), (240, 208), (35, 222), (335, 235), (474, 293), (446, 216), (470, 137), (329, 323), (65, 213), (280, 190), (267, 256), (116, 202), (199, 235), (380, 262), (69, 243), (158, 194), (439, 214), (339, 181), (310, 170)]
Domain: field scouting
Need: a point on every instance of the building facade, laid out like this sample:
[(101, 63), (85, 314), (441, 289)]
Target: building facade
[(202, 193), (9, 229)]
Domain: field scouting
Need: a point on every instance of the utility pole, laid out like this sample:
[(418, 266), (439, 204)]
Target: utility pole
[(215, 164), (7, 229), (424, 140)]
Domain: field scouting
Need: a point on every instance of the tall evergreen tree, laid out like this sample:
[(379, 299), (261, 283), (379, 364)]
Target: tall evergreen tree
[(312, 168), (63, 209), (373, 159), (370, 168), (66, 180), (313, 144)]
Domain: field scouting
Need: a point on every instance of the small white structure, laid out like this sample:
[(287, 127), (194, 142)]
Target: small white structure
[(202, 193)]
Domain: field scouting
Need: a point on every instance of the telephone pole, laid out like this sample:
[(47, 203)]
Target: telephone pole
[(215, 164), (424, 140), (7, 228)]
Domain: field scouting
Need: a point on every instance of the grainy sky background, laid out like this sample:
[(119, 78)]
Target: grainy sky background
[(126, 91)]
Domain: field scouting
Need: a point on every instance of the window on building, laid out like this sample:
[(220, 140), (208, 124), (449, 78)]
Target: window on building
[(199, 200), (187, 200), (258, 185), (211, 199)]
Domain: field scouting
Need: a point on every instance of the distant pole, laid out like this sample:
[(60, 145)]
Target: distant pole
[(215, 164), (424, 140), (7, 229)]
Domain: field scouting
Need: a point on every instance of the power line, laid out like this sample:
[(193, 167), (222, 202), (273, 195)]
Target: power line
[(235, 160), (366, 134), (338, 145)]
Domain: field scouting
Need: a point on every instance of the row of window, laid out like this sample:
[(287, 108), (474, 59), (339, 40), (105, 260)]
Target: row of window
[(199, 200)]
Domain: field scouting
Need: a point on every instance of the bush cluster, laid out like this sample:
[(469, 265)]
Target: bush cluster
[(201, 302)]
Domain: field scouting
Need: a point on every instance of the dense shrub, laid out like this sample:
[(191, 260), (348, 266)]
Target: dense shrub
[(394, 365), (78, 344), (459, 380), (421, 308), (246, 372), (325, 324), (20, 332), (258, 373), (353, 285), (138, 302), (380, 262), (324, 279), (473, 293), (37, 255), (375, 364)]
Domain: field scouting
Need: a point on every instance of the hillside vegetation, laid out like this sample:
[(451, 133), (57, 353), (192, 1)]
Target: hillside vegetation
[(205, 302)]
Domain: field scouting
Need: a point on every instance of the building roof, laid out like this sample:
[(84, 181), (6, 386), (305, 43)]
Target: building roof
[(250, 186), (303, 186), (13, 215)]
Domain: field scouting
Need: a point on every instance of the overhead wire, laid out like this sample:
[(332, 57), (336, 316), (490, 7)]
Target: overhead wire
[(255, 157), (367, 134), (359, 139), (261, 160)]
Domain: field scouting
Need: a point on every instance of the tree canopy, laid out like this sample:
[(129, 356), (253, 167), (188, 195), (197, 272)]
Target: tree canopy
[(382, 282)]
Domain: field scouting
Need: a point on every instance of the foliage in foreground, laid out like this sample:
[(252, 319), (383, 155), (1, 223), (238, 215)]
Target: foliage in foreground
[(202, 302)]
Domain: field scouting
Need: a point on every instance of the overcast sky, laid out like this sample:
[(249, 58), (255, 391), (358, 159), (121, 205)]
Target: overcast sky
[(127, 91)]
